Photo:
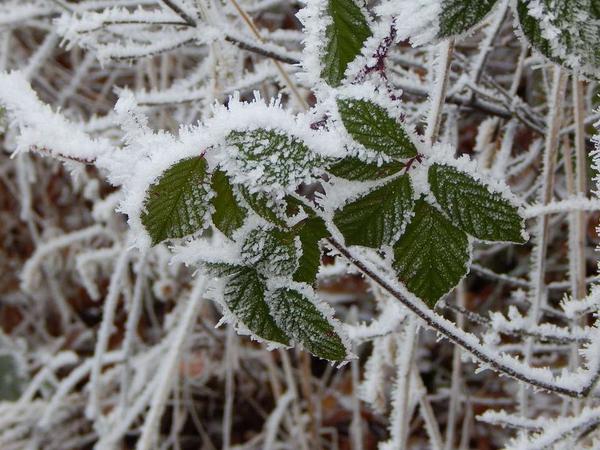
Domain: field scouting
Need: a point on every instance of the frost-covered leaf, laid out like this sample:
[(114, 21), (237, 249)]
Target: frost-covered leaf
[(432, 255), (377, 218), (370, 125), (263, 206), (10, 378), (310, 232), (475, 209), (459, 16), (228, 215), (271, 251), (344, 38), (565, 31), (177, 204), (271, 158), (357, 170), (424, 22), (220, 269), (300, 319), (244, 294), (532, 31)]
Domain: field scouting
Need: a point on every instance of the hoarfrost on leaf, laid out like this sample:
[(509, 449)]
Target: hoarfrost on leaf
[(271, 251), (244, 295), (565, 31), (177, 204), (432, 256), (345, 35), (310, 232), (303, 321), (228, 215), (474, 207), (269, 159), (355, 169), (371, 126), (379, 217)]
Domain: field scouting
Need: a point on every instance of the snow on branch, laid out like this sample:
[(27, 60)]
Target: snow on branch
[(562, 206), (46, 131), (558, 430)]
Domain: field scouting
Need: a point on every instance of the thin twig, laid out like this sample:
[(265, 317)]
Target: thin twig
[(168, 373), (541, 234)]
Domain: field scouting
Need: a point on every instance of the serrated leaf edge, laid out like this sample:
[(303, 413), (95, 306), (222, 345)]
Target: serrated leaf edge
[(217, 294), (323, 307), (583, 70), (368, 92), (468, 262), (470, 168)]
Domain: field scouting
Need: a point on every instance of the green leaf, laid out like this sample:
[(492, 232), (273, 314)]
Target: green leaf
[(228, 215), (177, 204), (371, 125), (310, 232), (432, 256), (220, 269), (377, 218), (459, 16), (271, 158), (244, 294), (472, 207), (11, 383), (263, 206), (357, 170), (299, 318), (344, 38), (532, 31), (575, 45), (271, 251)]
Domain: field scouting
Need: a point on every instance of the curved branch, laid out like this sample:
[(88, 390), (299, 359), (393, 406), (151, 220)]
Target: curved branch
[(504, 364)]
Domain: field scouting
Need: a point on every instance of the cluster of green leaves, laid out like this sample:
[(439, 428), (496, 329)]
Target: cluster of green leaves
[(188, 198), (278, 314), (349, 28), (429, 237), (573, 24), (429, 234)]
